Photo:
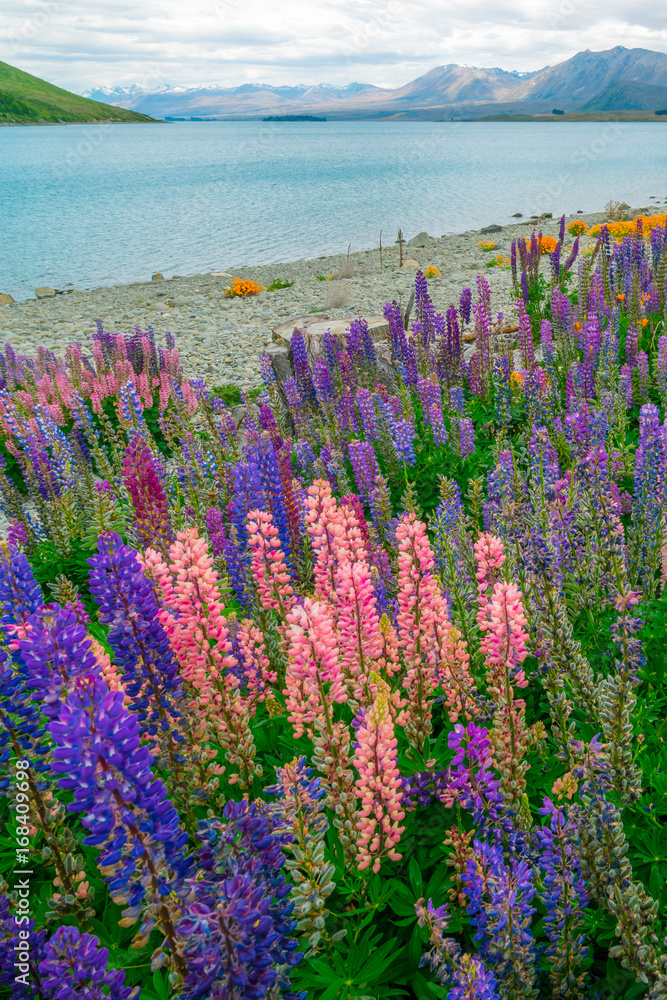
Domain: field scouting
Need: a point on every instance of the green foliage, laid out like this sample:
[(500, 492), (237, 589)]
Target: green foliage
[(277, 284)]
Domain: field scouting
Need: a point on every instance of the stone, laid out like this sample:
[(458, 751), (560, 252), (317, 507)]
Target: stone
[(280, 361), (421, 240), (45, 292), (469, 336), (220, 274), (410, 262), (518, 215), (493, 228), (282, 333), (157, 277), (5, 299)]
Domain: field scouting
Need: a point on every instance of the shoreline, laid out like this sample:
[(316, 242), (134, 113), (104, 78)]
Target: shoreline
[(220, 339)]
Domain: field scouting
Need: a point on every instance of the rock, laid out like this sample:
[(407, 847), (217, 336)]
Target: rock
[(220, 274), (280, 361), (157, 277), (517, 215), (411, 263), (238, 413), (314, 333), (282, 333), (547, 215), (421, 240), (469, 336), (493, 228), (5, 299), (45, 292)]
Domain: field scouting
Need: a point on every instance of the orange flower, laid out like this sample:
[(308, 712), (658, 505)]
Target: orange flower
[(620, 296), (516, 380), (644, 322), (431, 272), (243, 287), (486, 245), (548, 244), (577, 227)]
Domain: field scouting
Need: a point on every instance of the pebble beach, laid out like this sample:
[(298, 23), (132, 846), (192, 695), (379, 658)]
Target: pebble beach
[(220, 338)]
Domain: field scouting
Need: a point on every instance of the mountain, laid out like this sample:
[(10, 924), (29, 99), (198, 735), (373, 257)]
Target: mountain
[(27, 100), (586, 73), (625, 95), (247, 100), (450, 91)]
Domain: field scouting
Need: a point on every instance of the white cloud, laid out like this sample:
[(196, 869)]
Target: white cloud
[(81, 43)]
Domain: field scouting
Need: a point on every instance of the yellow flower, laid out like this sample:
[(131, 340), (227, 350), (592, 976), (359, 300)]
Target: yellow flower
[(486, 245), (431, 272)]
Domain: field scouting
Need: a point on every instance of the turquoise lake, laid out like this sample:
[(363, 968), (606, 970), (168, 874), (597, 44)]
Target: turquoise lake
[(90, 205)]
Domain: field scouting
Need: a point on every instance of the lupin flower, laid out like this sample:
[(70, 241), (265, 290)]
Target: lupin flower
[(269, 566), (151, 510), (378, 785), (126, 810), (299, 812), (74, 965)]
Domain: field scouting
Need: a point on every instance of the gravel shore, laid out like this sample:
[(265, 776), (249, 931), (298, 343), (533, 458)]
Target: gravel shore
[(220, 339)]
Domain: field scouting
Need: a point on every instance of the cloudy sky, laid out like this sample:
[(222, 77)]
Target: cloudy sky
[(82, 43)]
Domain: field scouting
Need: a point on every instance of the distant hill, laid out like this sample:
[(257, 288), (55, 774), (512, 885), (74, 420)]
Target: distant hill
[(27, 100), (246, 101), (586, 73), (626, 95), (444, 93)]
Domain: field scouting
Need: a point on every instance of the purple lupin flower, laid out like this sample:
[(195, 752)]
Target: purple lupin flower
[(465, 305), (75, 966), (466, 437), (365, 467)]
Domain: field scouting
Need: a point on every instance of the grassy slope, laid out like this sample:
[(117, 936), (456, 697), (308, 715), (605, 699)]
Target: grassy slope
[(25, 99)]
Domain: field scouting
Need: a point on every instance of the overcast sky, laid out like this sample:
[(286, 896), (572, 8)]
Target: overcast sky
[(81, 43)]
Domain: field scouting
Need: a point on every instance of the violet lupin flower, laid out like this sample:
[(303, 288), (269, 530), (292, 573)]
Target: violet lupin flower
[(140, 645), (365, 467), (55, 651), (565, 897), (466, 437), (237, 925), (304, 379), (366, 409), (499, 897), (101, 760), (465, 305), (74, 965)]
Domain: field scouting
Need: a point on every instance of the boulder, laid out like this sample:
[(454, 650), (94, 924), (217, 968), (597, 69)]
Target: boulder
[(314, 327), (517, 215), (45, 292), (157, 277), (421, 240), (5, 299), (493, 228), (411, 263), (282, 333), (280, 361)]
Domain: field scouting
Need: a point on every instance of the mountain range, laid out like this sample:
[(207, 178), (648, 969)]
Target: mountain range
[(616, 79)]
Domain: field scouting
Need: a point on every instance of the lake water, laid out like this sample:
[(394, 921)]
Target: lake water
[(90, 205)]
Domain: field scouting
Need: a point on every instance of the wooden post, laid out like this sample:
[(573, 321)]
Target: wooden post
[(400, 242), (380, 249)]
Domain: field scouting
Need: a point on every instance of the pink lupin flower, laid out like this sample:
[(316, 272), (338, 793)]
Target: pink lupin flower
[(321, 518), (490, 555), (269, 566), (358, 625), (505, 643), (254, 662), (419, 605), (314, 680), (192, 615), (378, 785)]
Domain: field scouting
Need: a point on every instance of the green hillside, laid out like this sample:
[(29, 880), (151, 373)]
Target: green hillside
[(27, 100)]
